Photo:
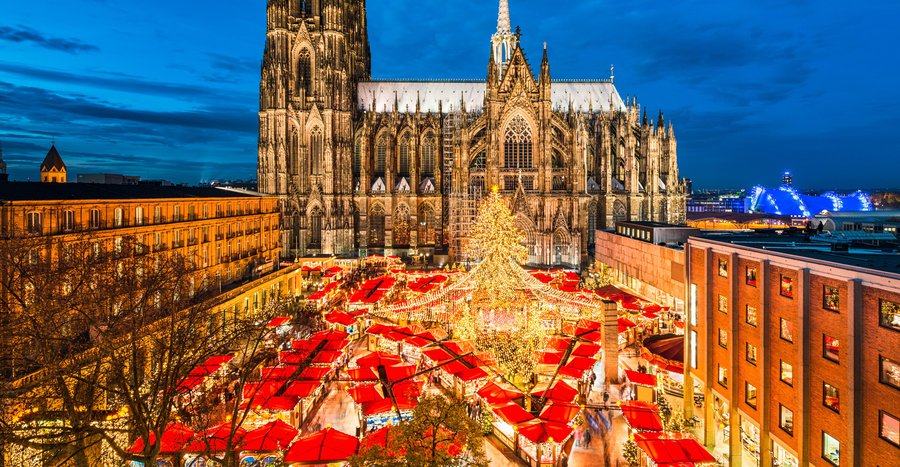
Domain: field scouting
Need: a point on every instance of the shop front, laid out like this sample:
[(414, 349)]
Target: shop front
[(750, 437)]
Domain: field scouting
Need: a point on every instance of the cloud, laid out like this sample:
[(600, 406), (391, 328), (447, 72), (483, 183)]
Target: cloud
[(23, 34)]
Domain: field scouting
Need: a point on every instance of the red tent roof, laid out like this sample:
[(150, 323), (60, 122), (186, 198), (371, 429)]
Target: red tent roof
[(558, 343), (330, 335), (365, 393), (586, 349), (173, 439), (437, 354), (301, 389), (362, 374), (495, 394), (275, 403), (277, 372), (472, 374), (581, 363), (338, 317), (292, 357), (644, 379), (273, 436), (642, 416), (323, 447), (673, 448), (374, 359), (327, 357), (188, 383), (216, 439), (513, 414), (385, 405), (278, 321), (262, 388), (380, 438), (560, 392), (459, 347), (559, 413), (545, 357), (539, 431), (379, 329), (408, 389), (398, 372), (314, 373)]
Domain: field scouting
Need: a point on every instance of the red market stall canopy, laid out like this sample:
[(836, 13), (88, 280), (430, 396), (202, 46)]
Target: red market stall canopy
[(472, 374), (540, 432), (273, 436), (332, 271), (366, 393), (292, 357), (339, 317), (545, 357), (277, 373), (324, 447), (362, 374), (642, 416), (262, 388), (175, 436), (326, 357), (586, 349), (625, 325), (216, 439), (301, 389), (493, 393), (559, 413), (643, 379), (559, 392), (273, 403), (380, 438), (665, 351), (437, 354), (667, 449), (188, 383), (385, 405), (513, 414), (330, 335), (408, 389), (278, 321), (374, 359), (427, 284), (314, 373)]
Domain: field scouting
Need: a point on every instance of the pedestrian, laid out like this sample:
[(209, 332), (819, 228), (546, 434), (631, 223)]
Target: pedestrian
[(587, 438), (605, 397)]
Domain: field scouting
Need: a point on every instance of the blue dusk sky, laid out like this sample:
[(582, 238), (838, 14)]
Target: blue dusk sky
[(169, 89)]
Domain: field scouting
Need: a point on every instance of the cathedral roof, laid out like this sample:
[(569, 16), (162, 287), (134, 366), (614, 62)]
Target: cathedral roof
[(379, 96), (53, 161)]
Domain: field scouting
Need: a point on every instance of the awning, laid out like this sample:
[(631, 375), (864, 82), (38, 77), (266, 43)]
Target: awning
[(365, 393), (672, 448), (374, 359), (385, 405), (559, 413), (215, 439), (472, 374), (338, 317), (642, 416), (323, 447), (173, 439), (314, 373), (513, 414), (560, 392), (326, 357), (278, 321), (273, 436), (302, 389), (330, 335), (273, 403), (643, 379), (540, 432), (493, 393)]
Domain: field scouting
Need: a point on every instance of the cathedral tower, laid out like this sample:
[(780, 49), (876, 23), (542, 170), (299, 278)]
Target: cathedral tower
[(53, 169), (315, 54)]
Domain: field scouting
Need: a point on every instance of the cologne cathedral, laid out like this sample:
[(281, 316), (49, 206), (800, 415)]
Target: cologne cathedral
[(398, 167)]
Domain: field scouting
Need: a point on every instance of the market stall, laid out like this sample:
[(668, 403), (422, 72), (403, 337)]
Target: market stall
[(328, 446)]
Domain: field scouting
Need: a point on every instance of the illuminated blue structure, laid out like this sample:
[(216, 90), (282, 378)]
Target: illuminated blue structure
[(786, 200)]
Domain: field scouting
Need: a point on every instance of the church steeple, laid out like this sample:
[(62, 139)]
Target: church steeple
[(503, 42)]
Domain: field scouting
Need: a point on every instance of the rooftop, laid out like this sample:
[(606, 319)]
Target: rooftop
[(656, 225), (34, 191), (794, 242)]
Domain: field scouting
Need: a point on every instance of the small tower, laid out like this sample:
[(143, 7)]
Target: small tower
[(503, 42), (787, 179), (4, 177), (53, 169)]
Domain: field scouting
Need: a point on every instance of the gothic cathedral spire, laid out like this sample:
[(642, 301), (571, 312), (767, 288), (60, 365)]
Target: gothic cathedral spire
[(503, 42)]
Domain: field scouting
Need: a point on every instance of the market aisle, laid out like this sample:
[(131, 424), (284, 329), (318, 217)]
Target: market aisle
[(496, 457), (337, 409)]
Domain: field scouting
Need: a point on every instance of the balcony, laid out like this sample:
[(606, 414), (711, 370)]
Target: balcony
[(177, 244)]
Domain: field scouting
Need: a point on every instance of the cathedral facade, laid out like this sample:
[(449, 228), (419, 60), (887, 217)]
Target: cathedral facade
[(399, 167)]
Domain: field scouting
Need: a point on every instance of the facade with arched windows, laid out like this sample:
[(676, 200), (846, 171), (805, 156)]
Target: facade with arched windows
[(387, 163)]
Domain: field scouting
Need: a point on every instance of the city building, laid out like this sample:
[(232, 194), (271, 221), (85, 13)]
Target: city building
[(869, 221), (401, 165), (741, 221), (109, 179), (53, 169), (791, 344), (230, 234)]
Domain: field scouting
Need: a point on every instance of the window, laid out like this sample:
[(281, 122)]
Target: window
[(750, 394), (94, 219), (68, 221), (157, 214), (751, 276), (831, 348), (693, 304), (723, 338), (889, 314), (138, 216), (787, 373), (723, 376), (517, 148), (723, 267), (316, 152), (357, 157), (33, 224), (176, 216), (786, 419), (428, 157), (118, 217), (751, 315), (787, 287), (831, 298), (787, 330), (889, 429), (693, 349), (831, 449), (751, 353), (380, 156), (723, 304), (889, 372), (831, 397), (403, 169)]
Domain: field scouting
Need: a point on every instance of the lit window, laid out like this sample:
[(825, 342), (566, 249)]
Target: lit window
[(68, 221), (723, 376), (723, 338), (723, 304), (138, 216), (94, 219), (723, 267), (831, 298), (787, 287), (33, 224), (831, 348), (831, 397), (889, 373), (786, 419), (831, 449), (517, 149), (751, 276), (750, 394), (693, 304), (787, 373), (787, 330), (693, 349), (890, 428), (751, 353), (751, 315), (889, 314), (118, 217)]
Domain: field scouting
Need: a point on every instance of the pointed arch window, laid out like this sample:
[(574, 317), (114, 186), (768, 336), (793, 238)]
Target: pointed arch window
[(518, 147), (357, 156), (403, 165), (304, 72), (557, 161), (315, 229), (428, 157), (426, 225), (380, 156), (376, 227), (316, 152), (400, 228), (591, 224)]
